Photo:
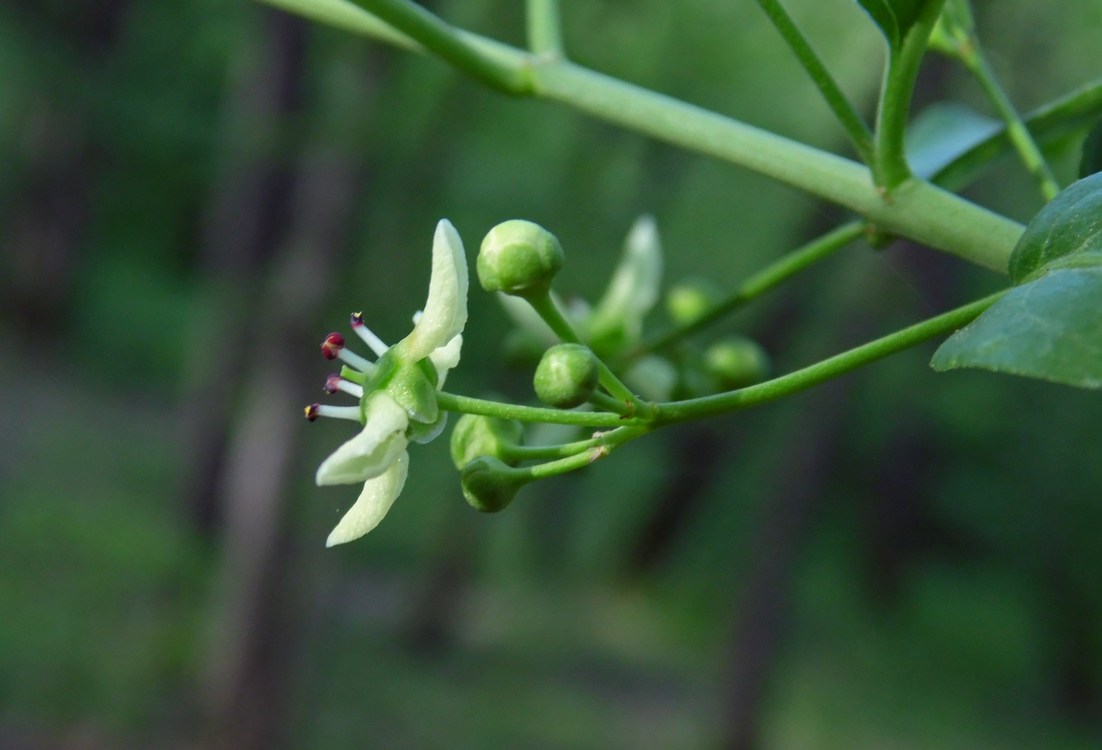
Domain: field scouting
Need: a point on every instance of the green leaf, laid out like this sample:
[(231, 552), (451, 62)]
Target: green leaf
[(1068, 231), (1048, 325), (1091, 162), (895, 17), (1047, 328), (943, 132)]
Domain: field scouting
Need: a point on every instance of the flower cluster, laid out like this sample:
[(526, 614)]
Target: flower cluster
[(397, 392)]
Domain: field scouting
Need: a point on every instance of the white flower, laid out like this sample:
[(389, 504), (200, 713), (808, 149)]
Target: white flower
[(397, 393)]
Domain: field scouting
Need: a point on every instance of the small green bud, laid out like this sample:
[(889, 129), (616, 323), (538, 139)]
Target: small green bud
[(518, 257), (476, 435), (488, 484), (566, 376), (690, 300), (736, 361)]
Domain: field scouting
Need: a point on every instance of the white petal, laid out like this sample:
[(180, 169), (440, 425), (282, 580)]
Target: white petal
[(379, 493), (375, 449), (445, 358), (635, 284), (445, 311)]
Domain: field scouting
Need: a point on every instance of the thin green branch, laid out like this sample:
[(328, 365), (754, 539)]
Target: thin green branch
[(832, 367), (542, 452), (890, 167), (602, 446), (917, 210), (1016, 130), (544, 27), (469, 405), (758, 284), (1063, 116), (956, 36), (344, 15), (444, 40), (856, 129), (606, 402), (1059, 118)]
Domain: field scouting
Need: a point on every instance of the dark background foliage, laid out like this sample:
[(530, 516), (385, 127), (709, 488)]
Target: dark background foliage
[(193, 193)]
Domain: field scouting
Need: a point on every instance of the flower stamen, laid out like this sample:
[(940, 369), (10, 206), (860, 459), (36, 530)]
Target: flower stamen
[(374, 342), (336, 383), (333, 348), (313, 411)]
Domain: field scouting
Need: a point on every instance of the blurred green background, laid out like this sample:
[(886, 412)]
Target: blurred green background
[(194, 193)]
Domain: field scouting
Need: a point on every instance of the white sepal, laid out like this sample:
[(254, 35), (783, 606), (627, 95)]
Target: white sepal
[(374, 449), (379, 493)]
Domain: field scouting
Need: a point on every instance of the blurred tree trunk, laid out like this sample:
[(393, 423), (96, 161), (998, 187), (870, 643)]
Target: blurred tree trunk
[(248, 664), (762, 618), (815, 441), (43, 221), (898, 524), (247, 680), (45, 226), (247, 212), (695, 455), (1071, 628)]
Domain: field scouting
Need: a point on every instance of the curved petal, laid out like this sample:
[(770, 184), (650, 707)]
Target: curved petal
[(373, 503), (445, 311), (635, 284), (445, 358), (374, 449)]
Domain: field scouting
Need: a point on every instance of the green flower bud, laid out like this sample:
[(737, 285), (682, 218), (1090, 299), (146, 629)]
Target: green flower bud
[(519, 258), (736, 361), (476, 435), (566, 375), (691, 299), (488, 484)]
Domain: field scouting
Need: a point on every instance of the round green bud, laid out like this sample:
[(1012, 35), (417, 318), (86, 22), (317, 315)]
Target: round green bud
[(488, 484), (566, 375), (476, 435), (691, 299), (519, 258), (736, 361)]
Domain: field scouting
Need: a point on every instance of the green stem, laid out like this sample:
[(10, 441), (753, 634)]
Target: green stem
[(544, 27), (972, 57), (342, 14), (758, 284), (541, 452), (524, 474), (891, 168), (859, 134), (917, 210), (602, 446), (608, 403), (448, 43), (469, 405), (1056, 119), (832, 367)]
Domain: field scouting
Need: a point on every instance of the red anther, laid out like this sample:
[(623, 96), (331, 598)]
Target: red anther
[(311, 412), (356, 319), (333, 343), (332, 383)]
